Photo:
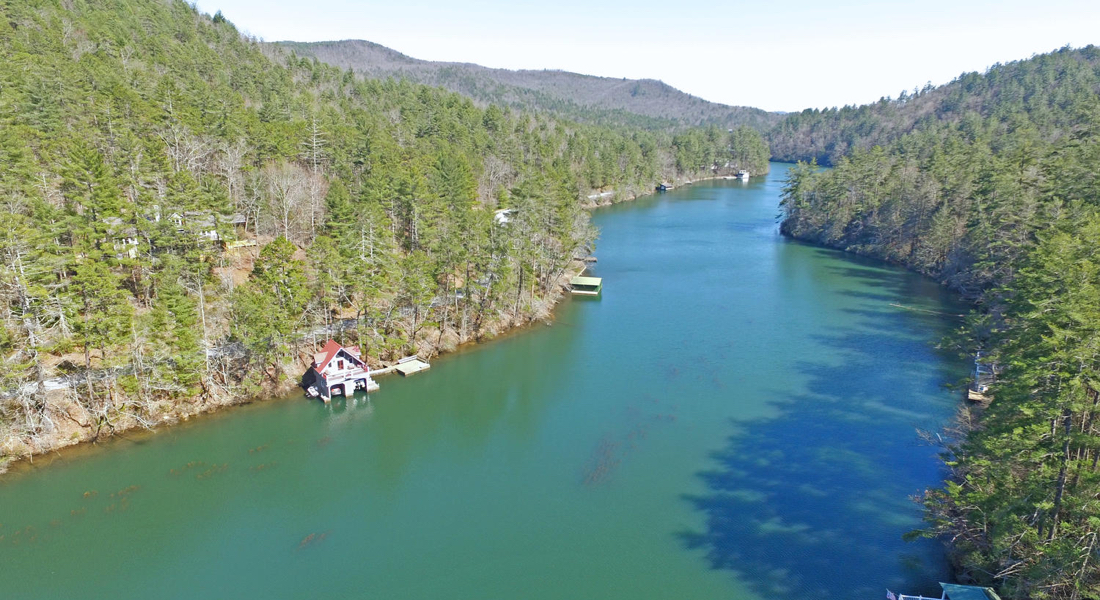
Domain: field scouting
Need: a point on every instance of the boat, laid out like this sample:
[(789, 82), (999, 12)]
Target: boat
[(663, 187), (743, 175)]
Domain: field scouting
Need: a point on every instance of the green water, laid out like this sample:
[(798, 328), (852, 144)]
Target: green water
[(735, 418)]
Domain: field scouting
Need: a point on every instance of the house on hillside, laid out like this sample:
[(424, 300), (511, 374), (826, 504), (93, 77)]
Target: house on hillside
[(205, 224), (124, 237), (337, 370)]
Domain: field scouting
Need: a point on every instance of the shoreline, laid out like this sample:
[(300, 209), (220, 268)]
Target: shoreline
[(607, 198), (186, 411)]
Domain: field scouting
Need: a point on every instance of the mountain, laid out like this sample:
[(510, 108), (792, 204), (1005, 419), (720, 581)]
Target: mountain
[(1035, 93), (638, 102)]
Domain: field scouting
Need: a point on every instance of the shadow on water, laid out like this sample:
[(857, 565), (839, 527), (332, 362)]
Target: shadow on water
[(813, 501)]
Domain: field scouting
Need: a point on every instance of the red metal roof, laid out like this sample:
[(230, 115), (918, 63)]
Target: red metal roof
[(329, 352), (326, 355)]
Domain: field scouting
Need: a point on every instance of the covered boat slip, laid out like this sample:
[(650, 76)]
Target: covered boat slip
[(952, 591), (586, 286)]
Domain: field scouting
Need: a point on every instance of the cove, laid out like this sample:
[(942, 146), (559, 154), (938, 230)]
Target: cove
[(735, 417)]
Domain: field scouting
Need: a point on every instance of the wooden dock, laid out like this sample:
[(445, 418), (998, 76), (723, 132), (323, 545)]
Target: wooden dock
[(383, 371), (410, 365), (976, 396)]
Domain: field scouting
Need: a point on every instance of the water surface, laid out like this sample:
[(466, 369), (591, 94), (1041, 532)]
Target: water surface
[(736, 417)]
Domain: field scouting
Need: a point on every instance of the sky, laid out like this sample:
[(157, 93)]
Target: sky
[(780, 56)]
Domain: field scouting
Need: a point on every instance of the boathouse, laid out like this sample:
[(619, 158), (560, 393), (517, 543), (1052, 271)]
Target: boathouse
[(337, 371), (952, 591), (586, 286)]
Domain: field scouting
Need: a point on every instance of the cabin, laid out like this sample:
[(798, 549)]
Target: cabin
[(337, 371), (124, 237), (207, 225), (952, 591)]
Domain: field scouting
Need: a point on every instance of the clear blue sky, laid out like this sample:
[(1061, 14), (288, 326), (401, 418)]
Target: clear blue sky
[(773, 55)]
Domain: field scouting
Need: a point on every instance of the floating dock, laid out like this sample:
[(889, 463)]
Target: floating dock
[(586, 286), (411, 366)]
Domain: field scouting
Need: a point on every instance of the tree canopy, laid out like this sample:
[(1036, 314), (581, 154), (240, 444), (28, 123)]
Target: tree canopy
[(990, 184), (188, 211)]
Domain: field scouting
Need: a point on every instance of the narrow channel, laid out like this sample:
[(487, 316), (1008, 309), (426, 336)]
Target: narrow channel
[(735, 417)]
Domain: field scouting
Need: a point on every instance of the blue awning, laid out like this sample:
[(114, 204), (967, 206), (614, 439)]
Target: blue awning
[(968, 592)]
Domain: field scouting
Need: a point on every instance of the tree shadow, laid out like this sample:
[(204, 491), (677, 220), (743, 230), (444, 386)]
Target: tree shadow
[(813, 502)]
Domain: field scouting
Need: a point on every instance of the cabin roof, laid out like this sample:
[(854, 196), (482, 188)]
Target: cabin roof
[(968, 592), (329, 352)]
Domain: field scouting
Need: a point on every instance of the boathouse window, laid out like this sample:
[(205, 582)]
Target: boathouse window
[(340, 365)]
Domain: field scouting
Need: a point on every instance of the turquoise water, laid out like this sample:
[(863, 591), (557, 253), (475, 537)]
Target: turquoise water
[(735, 418)]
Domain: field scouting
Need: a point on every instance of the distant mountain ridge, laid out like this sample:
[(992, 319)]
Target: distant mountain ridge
[(1035, 91), (637, 102)]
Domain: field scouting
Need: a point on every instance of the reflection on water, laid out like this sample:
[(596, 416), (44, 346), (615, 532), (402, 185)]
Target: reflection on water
[(790, 492)]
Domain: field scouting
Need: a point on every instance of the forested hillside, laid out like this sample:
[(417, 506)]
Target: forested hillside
[(187, 212), (995, 191), (603, 100), (1036, 94)]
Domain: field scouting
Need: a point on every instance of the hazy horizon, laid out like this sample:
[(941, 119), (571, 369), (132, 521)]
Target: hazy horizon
[(779, 57)]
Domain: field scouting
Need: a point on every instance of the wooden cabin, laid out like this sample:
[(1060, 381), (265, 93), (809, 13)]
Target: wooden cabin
[(337, 371), (207, 225)]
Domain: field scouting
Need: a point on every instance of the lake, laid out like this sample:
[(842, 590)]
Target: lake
[(736, 417)]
